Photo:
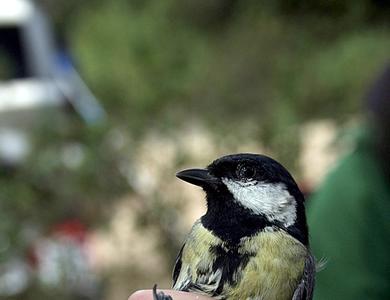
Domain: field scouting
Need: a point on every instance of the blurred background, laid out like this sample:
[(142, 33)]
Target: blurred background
[(101, 102)]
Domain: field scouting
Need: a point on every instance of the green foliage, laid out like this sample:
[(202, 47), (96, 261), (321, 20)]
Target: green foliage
[(265, 62), (152, 64), (73, 171), (136, 59)]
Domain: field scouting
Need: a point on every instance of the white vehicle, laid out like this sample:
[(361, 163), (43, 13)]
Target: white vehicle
[(35, 75)]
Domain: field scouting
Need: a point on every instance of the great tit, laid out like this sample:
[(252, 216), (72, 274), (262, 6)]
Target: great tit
[(252, 243)]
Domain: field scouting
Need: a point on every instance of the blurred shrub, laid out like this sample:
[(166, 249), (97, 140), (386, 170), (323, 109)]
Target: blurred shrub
[(267, 62), (73, 172)]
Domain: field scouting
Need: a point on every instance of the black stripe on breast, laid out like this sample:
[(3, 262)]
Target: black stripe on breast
[(229, 261)]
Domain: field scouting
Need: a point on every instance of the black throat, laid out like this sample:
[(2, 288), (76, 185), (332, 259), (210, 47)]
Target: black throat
[(230, 221)]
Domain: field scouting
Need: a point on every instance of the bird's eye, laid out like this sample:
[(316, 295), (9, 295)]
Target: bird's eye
[(245, 172)]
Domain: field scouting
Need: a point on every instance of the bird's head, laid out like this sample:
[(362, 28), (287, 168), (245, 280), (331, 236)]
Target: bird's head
[(251, 184)]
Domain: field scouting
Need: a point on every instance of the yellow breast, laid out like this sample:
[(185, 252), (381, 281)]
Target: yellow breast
[(273, 271)]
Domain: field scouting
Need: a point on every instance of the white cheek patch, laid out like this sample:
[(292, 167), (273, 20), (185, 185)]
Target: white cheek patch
[(270, 199)]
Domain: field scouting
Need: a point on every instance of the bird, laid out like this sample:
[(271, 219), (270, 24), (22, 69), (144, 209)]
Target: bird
[(252, 243)]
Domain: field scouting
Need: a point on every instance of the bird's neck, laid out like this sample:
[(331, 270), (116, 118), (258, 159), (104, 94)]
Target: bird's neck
[(230, 221)]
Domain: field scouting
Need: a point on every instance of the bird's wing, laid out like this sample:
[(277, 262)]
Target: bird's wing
[(177, 267), (304, 291), (206, 282)]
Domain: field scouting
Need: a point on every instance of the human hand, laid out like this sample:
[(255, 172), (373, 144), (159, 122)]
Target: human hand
[(176, 295)]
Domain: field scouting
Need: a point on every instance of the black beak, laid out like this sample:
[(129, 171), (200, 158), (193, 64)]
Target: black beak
[(199, 177)]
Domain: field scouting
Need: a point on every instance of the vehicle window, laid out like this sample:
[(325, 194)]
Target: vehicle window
[(12, 57)]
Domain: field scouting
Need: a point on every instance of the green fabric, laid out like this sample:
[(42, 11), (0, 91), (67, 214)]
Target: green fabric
[(349, 221)]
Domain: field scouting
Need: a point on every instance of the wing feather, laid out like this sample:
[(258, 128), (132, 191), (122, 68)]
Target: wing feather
[(304, 291), (177, 267)]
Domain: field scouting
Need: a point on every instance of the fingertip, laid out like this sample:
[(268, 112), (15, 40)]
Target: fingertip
[(176, 295), (141, 295)]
